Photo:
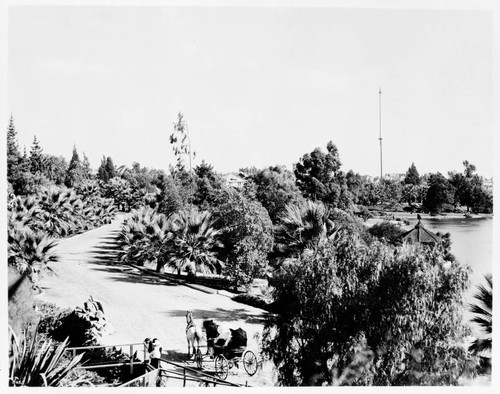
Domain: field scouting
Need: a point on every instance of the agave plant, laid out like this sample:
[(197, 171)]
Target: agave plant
[(196, 241), (483, 317), (35, 363)]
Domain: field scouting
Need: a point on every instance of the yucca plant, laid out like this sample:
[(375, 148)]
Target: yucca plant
[(483, 317), (35, 363)]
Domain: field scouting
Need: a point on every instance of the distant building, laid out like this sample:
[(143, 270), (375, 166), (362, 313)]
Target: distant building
[(394, 177), (235, 179), (488, 184)]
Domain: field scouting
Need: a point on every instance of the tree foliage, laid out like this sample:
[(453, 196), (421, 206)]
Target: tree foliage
[(106, 170), (246, 233), (439, 194), (36, 157), (75, 175), (412, 176), (275, 188), (319, 177), (354, 315)]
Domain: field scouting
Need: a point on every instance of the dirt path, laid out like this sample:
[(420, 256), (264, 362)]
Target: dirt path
[(139, 305)]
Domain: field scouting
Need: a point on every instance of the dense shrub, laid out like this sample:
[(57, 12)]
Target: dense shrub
[(246, 233), (388, 231), (391, 315)]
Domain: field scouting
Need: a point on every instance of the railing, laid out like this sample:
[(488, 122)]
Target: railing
[(187, 374), (131, 362)]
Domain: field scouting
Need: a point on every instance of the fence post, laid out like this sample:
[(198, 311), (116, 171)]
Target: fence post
[(74, 353), (131, 359)]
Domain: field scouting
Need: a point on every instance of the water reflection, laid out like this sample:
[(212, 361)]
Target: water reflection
[(472, 243)]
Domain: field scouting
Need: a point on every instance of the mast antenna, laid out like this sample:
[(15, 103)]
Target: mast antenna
[(380, 129)]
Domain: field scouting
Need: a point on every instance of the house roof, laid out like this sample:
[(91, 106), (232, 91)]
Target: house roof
[(420, 234), (234, 176)]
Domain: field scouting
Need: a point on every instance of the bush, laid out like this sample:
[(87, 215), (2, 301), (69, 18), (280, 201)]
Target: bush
[(389, 316), (386, 230)]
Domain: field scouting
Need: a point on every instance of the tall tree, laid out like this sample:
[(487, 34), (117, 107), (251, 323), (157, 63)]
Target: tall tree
[(181, 144), (412, 177), (439, 193), (209, 186), (319, 177), (36, 157), (13, 154), (55, 168), (87, 171), (75, 173), (246, 233), (274, 188), (106, 170), (469, 170)]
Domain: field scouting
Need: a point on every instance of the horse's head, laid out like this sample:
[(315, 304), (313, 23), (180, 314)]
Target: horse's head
[(189, 317), (210, 328)]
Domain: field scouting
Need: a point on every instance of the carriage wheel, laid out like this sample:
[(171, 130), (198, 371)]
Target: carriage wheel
[(250, 362), (199, 359), (221, 367)]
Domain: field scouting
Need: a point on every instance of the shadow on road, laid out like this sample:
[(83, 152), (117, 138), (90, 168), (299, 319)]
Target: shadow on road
[(221, 315), (104, 257)]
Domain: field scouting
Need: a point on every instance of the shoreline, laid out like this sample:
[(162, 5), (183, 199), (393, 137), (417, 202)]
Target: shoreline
[(400, 217)]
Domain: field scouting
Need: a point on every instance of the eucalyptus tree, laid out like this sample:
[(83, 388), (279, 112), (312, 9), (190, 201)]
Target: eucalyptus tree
[(349, 314), (319, 177)]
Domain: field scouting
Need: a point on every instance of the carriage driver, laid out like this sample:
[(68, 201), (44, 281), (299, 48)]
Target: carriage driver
[(221, 341)]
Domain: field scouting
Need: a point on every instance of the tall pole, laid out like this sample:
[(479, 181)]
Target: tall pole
[(380, 128)]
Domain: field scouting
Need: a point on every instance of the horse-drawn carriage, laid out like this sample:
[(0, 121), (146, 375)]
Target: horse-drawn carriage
[(224, 351)]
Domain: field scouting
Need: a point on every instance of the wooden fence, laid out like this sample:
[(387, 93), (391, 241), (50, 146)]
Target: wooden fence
[(141, 347)]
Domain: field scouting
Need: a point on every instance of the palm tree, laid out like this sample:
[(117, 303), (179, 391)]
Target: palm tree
[(146, 236), (196, 241), (24, 211), (29, 251), (483, 317), (303, 227)]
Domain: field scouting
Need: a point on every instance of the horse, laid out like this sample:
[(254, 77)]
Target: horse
[(193, 334)]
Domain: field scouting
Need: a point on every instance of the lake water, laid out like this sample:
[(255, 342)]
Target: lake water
[(471, 243)]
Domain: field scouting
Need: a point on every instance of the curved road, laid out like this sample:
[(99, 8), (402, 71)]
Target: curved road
[(139, 305)]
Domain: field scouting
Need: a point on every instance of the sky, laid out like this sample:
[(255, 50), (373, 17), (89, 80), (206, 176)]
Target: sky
[(257, 86)]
